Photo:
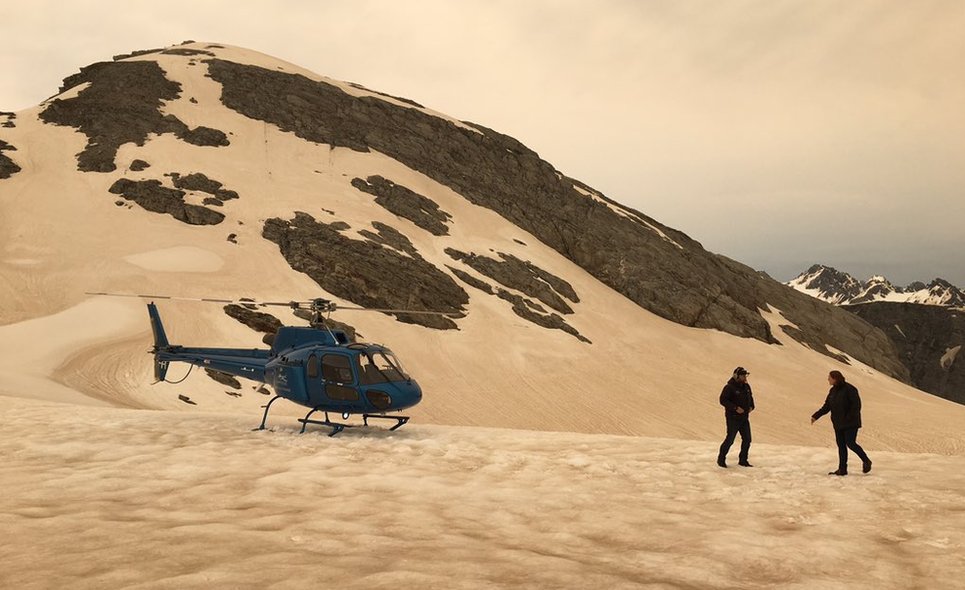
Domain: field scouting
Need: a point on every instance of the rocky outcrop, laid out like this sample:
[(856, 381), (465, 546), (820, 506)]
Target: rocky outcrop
[(138, 165), (523, 307), (122, 105), (523, 276), (7, 166), (388, 236), (196, 181), (186, 51), (659, 268), (406, 203), (256, 320), (223, 378), (929, 340), (365, 272), (151, 195)]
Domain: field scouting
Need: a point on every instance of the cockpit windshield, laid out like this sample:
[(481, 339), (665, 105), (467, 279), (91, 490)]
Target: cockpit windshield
[(379, 367)]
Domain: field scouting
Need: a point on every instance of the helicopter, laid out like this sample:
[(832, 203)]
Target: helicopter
[(313, 366)]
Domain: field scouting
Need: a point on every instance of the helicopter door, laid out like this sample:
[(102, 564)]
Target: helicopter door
[(339, 379)]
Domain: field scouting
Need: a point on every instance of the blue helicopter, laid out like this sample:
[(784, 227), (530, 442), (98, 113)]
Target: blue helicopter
[(313, 366)]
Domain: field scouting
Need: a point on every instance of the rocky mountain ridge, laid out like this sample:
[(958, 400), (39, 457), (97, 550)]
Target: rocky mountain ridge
[(926, 323), (840, 288)]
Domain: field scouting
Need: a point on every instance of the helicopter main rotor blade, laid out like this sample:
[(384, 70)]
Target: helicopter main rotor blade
[(317, 305), (412, 311), (201, 299)]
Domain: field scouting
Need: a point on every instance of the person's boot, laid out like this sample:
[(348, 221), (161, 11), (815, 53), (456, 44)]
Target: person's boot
[(866, 466), (744, 463), (838, 472), (721, 462)]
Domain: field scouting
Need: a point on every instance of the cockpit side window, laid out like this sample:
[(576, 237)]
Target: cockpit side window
[(368, 371), (336, 367), (389, 366)]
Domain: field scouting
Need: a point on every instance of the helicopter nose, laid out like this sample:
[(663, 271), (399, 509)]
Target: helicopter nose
[(409, 394)]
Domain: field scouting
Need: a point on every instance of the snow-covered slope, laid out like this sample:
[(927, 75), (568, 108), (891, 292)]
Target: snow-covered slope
[(557, 337), (114, 498), (840, 288)]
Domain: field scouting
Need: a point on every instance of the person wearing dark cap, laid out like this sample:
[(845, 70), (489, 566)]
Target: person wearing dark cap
[(845, 407), (738, 402)]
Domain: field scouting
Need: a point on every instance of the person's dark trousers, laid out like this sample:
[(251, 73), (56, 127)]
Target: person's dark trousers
[(736, 424), (847, 438)]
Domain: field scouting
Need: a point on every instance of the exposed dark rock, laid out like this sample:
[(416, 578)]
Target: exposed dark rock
[(523, 308), (214, 46), (233, 238), (150, 195), (365, 272), (212, 201), (120, 203), (523, 276), (926, 337), (200, 136), (138, 165), (7, 166), (657, 267), (186, 51), (389, 236), (223, 378), (197, 181), (802, 337), (256, 320), (519, 241), (133, 54), (398, 98), (121, 105), (193, 100), (349, 330), (408, 204), (472, 281), (187, 400)]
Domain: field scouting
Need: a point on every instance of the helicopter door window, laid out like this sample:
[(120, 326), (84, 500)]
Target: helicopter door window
[(337, 368), (312, 366)]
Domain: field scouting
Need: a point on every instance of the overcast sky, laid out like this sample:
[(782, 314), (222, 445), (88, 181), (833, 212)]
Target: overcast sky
[(779, 133)]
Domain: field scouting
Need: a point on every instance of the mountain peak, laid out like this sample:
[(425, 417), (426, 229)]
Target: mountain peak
[(840, 288)]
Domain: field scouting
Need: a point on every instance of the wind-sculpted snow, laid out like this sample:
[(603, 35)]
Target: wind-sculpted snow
[(7, 166), (366, 272), (658, 268), (406, 203), (174, 500), (151, 195), (122, 105)]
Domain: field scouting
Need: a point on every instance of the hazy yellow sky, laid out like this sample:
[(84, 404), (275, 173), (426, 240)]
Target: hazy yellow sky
[(779, 133)]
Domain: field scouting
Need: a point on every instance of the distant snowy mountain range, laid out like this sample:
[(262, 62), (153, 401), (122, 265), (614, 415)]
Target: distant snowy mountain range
[(840, 288)]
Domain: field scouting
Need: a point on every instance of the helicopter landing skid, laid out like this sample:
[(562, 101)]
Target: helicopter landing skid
[(400, 420), (339, 427)]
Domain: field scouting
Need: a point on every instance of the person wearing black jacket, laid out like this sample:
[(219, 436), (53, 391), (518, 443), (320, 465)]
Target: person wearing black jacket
[(738, 402), (845, 407)]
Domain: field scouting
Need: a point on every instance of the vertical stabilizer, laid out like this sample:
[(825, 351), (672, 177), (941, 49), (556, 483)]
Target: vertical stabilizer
[(160, 341)]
